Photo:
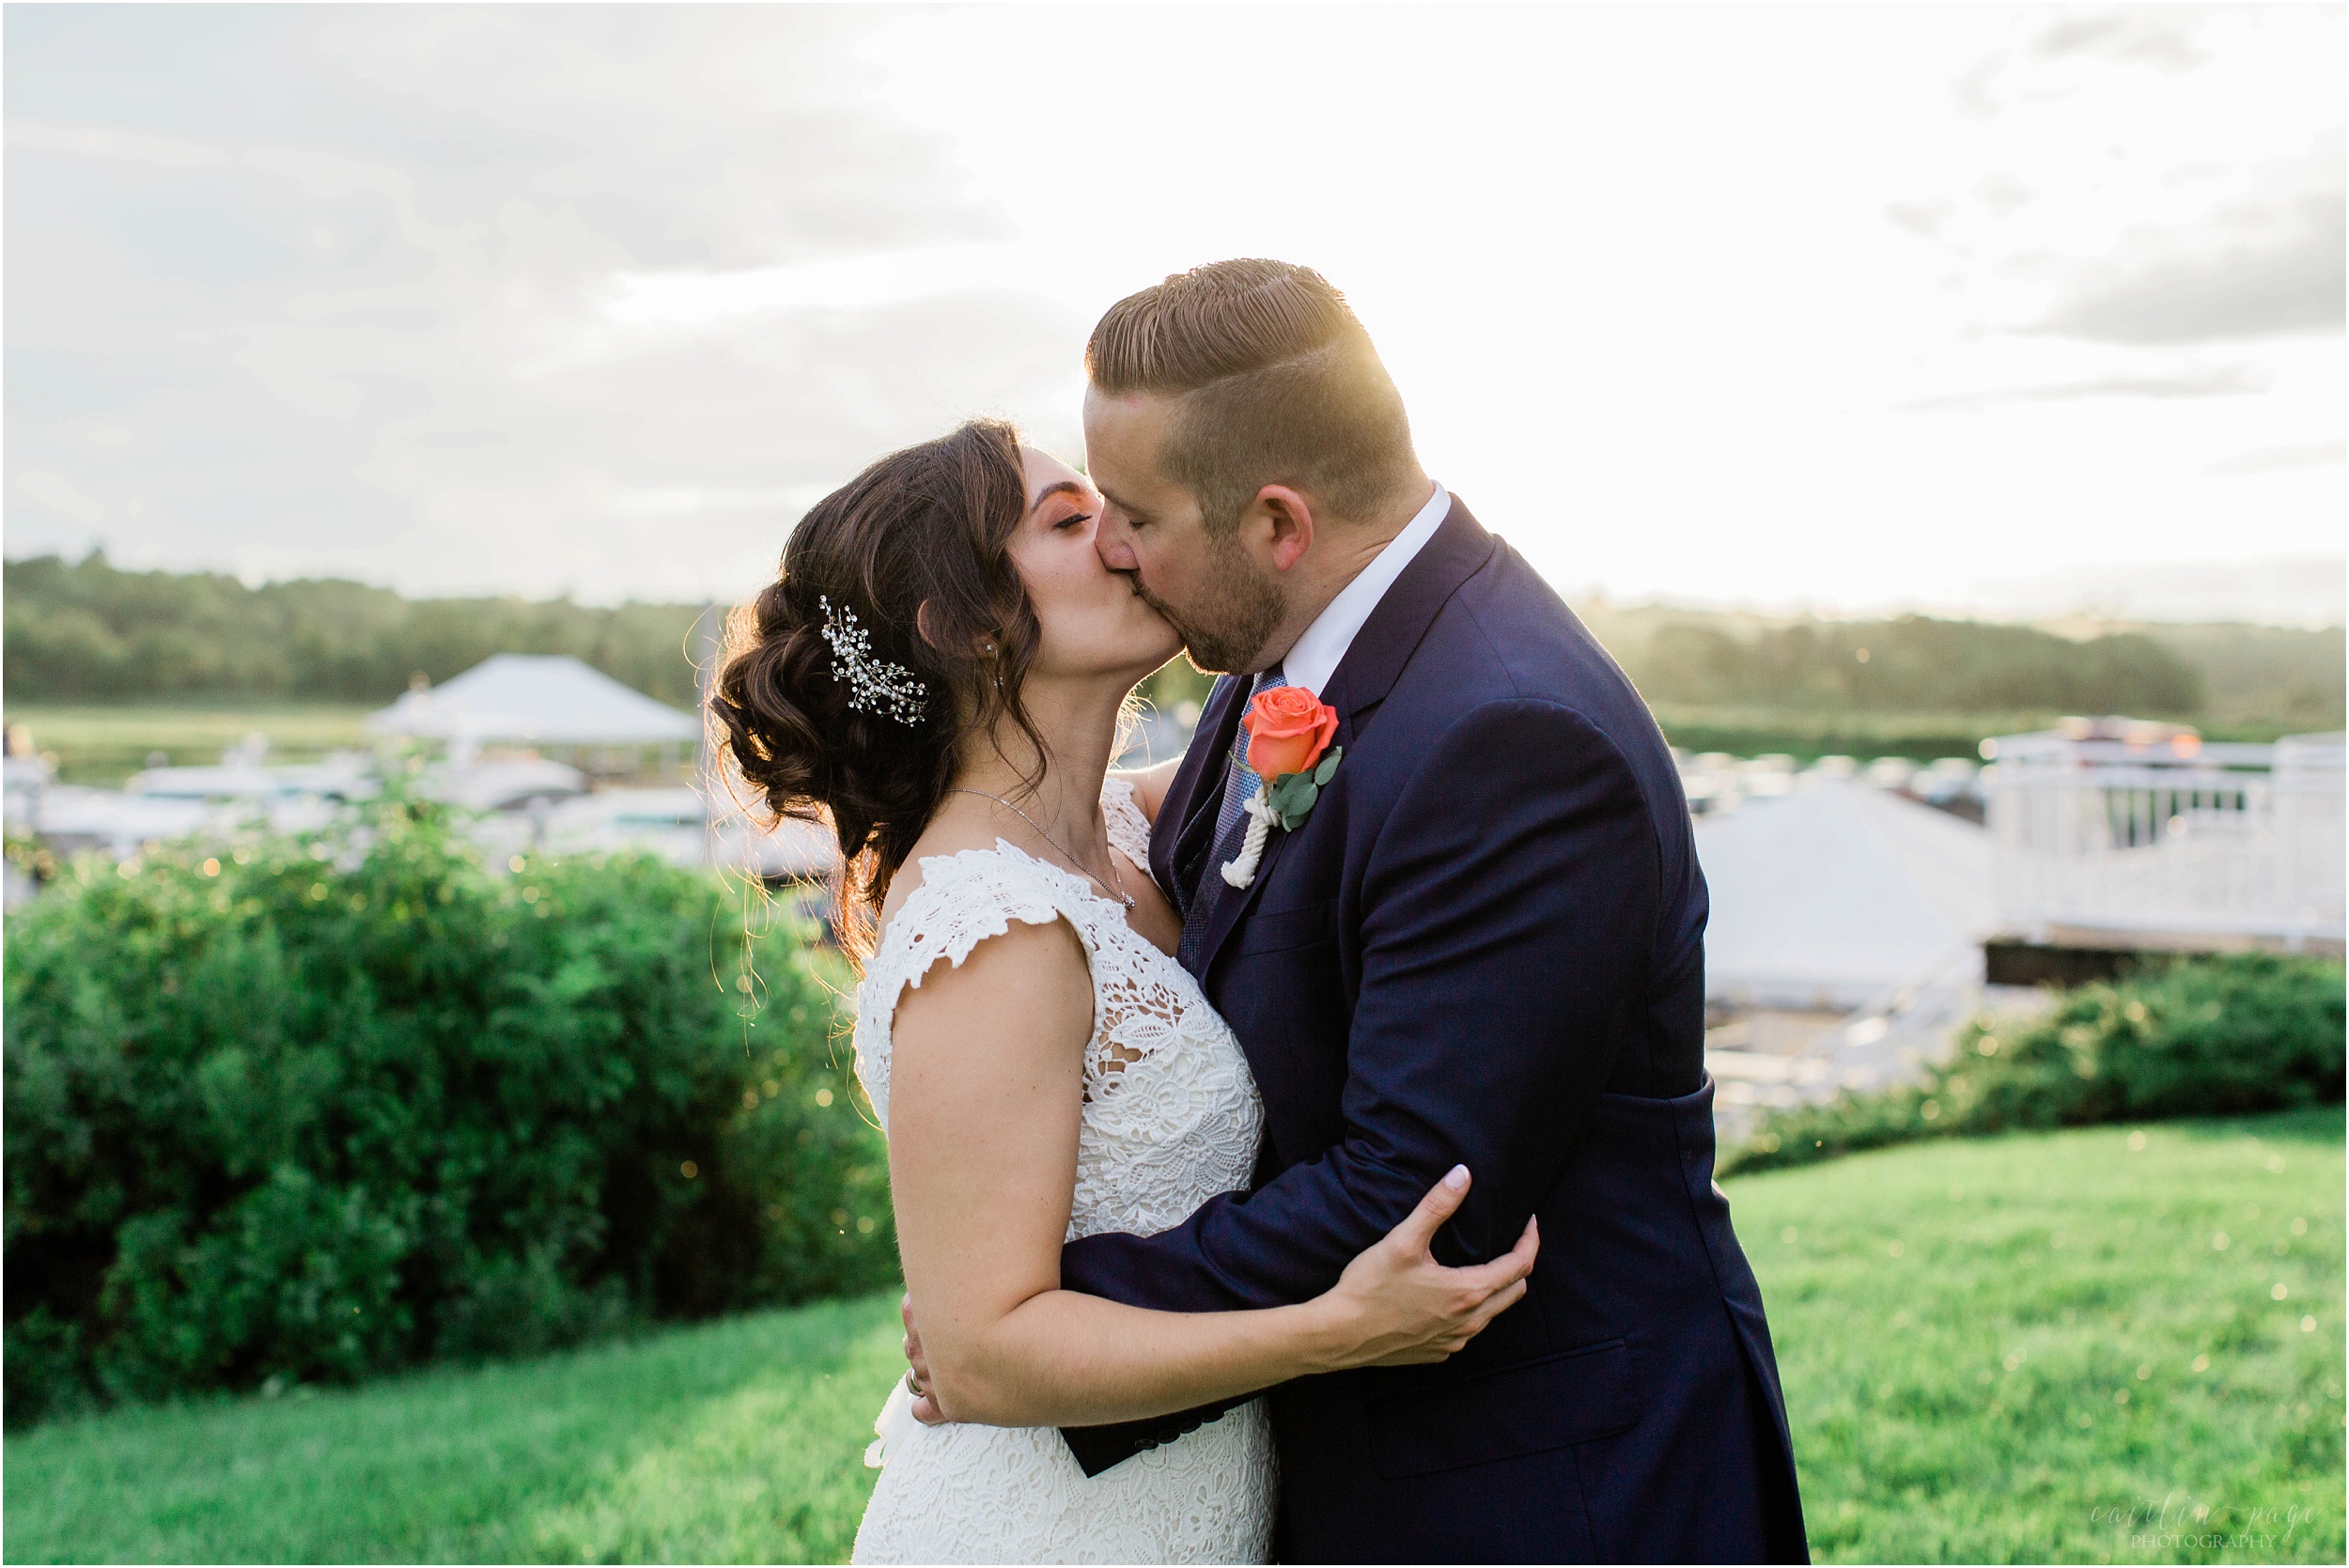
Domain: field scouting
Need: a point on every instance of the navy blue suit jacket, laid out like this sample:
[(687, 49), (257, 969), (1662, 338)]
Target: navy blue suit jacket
[(1485, 946)]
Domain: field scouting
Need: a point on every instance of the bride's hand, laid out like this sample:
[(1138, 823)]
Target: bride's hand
[(1400, 1307)]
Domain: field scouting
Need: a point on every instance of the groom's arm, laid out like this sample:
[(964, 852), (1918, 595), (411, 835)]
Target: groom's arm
[(1508, 911)]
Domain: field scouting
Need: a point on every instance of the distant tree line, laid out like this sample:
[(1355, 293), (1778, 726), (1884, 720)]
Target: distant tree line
[(85, 631), (1916, 664)]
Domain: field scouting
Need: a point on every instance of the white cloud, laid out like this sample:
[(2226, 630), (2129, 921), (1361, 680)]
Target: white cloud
[(99, 142), (2277, 459), (2185, 381), (2251, 270), (58, 494), (696, 298), (530, 298)]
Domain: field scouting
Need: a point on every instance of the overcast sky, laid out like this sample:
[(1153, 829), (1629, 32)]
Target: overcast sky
[(1850, 308)]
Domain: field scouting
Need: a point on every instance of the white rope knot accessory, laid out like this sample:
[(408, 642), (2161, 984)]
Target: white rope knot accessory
[(1285, 803), (1240, 870), (875, 685)]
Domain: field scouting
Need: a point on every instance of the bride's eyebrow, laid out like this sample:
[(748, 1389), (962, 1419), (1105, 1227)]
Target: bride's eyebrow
[(1068, 487)]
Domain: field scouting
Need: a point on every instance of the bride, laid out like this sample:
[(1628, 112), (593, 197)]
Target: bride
[(938, 673)]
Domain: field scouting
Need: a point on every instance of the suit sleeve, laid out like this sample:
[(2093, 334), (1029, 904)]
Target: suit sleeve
[(1508, 909)]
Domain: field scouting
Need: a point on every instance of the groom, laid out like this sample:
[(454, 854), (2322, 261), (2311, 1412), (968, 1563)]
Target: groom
[(1483, 944)]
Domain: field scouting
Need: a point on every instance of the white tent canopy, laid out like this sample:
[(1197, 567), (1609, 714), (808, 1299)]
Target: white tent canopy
[(1829, 896), (543, 699)]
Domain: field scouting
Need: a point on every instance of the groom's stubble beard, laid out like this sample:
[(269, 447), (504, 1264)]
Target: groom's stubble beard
[(1240, 607)]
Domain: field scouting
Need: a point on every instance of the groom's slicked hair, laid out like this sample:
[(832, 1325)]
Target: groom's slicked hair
[(1277, 383)]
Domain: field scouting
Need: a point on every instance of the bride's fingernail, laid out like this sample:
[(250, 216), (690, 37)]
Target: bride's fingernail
[(1456, 1178)]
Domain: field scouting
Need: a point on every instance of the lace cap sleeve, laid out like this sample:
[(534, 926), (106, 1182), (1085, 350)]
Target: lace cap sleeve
[(963, 900), (1130, 831)]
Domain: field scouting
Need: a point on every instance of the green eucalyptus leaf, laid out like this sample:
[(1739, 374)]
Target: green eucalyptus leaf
[(1329, 765)]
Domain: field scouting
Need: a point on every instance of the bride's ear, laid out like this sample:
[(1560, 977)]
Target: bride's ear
[(926, 621)]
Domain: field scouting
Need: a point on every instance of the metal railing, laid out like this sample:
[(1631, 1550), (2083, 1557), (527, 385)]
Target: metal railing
[(2167, 835)]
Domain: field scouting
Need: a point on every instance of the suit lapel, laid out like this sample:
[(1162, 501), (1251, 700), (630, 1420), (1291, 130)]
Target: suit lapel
[(1372, 664), (1224, 904), (1192, 799)]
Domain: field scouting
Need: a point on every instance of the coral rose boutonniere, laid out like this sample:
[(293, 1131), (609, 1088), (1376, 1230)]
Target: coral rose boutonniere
[(1288, 746)]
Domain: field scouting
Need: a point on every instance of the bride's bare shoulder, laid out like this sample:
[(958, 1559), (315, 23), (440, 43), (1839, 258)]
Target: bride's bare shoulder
[(950, 832), (1005, 949), (1025, 944)]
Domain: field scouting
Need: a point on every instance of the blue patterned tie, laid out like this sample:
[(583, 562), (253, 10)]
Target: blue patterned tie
[(1239, 782)]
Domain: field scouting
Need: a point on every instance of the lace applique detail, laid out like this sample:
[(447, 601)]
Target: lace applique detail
[(1129, 836), (1171, 1119), (963, 900), (1015, 1494), (1153, 1144), (1130, 831)]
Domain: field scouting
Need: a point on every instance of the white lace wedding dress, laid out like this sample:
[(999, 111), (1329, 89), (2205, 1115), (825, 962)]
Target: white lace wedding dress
[(1171, 1118)]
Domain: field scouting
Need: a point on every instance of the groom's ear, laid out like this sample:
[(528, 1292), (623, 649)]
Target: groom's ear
[(1284, 518)]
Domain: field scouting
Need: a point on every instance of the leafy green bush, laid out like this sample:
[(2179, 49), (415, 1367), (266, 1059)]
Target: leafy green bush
[(316, 1108), (2196, 1037)]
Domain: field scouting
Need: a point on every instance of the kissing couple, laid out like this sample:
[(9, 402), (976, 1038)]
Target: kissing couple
[(1302, 1150)]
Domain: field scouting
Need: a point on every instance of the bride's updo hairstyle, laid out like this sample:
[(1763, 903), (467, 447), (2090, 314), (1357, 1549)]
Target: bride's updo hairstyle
[(916, 549)]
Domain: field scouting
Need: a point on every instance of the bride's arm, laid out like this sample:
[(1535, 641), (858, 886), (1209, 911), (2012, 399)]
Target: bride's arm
[(987, 1091)]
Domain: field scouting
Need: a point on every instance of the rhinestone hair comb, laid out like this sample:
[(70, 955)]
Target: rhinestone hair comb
[(875, 685)]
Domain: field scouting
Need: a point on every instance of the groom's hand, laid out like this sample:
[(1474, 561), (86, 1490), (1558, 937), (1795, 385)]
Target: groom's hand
[(926, 1408)]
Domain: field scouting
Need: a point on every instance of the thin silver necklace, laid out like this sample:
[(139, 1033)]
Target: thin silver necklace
[(1124, 897)]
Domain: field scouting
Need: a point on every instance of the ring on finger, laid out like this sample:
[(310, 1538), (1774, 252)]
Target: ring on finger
[(913, 1385)]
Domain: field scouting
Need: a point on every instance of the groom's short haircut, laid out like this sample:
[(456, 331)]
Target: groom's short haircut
[(1276, 384)]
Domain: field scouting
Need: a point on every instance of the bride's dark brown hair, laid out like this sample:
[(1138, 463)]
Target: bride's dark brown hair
[(918, 548)]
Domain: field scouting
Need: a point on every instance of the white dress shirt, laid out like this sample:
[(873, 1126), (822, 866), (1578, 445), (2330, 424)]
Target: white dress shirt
[(1315, 656)]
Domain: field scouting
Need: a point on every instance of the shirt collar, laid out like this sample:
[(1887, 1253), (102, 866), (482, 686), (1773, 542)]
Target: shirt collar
[(1316, 654)]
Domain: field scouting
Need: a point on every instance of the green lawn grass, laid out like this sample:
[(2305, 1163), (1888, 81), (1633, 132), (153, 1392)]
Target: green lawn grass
[(1955, 1322), (739, 1441), (105, 744), (2014, 1349)]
